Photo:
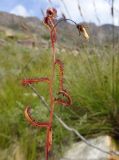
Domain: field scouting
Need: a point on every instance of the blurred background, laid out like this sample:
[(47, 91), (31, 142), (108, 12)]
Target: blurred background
[(91, 74)]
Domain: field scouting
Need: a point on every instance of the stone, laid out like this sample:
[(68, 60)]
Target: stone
[(81, 151)]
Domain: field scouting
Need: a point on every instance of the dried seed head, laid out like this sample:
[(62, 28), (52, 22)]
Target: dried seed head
[(52, 12), (82, 30)]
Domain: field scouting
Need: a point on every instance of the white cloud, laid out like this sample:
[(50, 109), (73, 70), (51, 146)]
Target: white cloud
[(103, 10), (20, 10), (72, 8)]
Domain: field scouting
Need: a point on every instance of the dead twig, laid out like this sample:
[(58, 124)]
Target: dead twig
[(42, 99)]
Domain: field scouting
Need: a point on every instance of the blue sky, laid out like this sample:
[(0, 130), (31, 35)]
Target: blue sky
[(33, 8)]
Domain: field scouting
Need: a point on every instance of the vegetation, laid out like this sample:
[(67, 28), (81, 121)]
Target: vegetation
[(91, 76)]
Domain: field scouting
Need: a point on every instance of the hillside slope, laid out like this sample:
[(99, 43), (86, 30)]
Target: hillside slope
[(67, 33)]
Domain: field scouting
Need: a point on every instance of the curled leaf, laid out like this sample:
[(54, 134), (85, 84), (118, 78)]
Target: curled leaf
[(49, 140), (31, 120), (67, 101)]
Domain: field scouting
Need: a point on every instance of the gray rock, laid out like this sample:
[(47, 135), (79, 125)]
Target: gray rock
[(81, 151)]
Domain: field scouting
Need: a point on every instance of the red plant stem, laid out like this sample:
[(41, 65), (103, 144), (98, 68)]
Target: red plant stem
[(51, 91), (50, 81)]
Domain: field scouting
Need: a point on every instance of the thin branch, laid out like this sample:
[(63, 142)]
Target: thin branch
[(42, 99)]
